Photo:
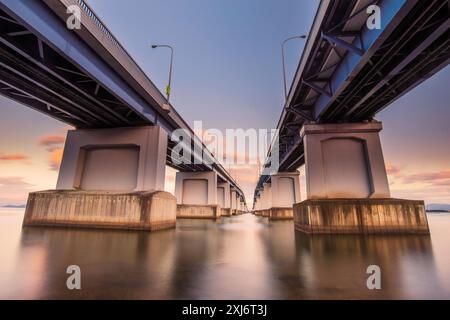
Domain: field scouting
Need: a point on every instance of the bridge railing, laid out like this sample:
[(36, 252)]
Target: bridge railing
[(92, 23)]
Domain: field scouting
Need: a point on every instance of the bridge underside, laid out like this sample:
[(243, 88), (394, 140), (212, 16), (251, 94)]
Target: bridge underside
[(347, 74), (352, 73), (415, 50), (413, 53), (36, 74)]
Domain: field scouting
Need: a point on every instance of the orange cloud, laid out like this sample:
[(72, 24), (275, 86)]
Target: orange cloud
[(56, 158), (440, 178), (13, 157), (52, 141), (428, 186), (54, 144), (393, 170)]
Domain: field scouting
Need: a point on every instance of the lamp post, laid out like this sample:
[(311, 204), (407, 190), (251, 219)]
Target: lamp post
[(154, 46), (284, 66)]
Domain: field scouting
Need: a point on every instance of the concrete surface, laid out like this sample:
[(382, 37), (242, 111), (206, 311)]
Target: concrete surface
[(89, 209), (361, 216)]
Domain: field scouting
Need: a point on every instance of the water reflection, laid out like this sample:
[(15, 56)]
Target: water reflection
[(242, 257)]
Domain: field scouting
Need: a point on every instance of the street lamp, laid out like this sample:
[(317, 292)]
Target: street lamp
[(154, 46), (284, 66)]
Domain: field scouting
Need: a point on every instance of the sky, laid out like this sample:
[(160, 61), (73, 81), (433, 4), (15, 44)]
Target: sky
[(228, 74)]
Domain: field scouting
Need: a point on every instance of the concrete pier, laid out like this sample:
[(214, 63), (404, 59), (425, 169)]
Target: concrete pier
[(347, 185), (192, 211), (278, 196), (70, 208), (109, 178), (224, 198), (361, 216), (234, 198), (196, 194)]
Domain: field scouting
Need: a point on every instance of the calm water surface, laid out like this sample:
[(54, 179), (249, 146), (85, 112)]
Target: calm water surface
[(243, 257)]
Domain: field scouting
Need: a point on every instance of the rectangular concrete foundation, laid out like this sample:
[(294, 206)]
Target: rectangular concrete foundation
[(262, 213), (361, 216), (95, 209), (281, 214), (225, 212), (190, 211)]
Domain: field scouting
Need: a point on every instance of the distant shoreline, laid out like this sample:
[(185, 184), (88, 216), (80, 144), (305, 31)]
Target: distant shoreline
[(11, 206)]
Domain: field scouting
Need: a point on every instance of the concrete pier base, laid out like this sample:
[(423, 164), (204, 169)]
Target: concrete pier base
[(192, 211), (94, 209), (225, 212), (276, 213), (262, 213), (280, 214), (361, 216)]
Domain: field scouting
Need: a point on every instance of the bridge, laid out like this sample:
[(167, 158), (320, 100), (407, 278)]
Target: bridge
[(117, 154), (346, 75), (113, 168)]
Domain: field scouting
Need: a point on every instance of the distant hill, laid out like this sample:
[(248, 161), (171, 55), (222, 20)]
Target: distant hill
[(438, 207), (14, 206)]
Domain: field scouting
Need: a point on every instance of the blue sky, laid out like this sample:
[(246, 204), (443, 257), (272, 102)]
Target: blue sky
[(228, 73)]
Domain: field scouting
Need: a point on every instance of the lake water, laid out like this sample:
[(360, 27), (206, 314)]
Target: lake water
[(243, 257)]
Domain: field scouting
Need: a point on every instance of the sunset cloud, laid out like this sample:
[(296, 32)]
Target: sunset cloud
[(393, 170), (52, 141), (439, 178), (13, 157), (428, 186), (56, 158), (54, 144)]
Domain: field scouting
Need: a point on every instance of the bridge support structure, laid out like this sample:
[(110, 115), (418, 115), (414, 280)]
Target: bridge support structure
[(285, 192), (234, 200), (265, 200), (279, 196), (196, 194), (109, 178), (224, 198), (241, 207), (347, 186), (257, 205)]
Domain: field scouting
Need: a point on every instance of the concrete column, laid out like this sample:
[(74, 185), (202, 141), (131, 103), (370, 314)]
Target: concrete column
[(347, 186), (242, 207), (261, 201), (285, 189), (256, 207), (264, 200), (344, 161), (233, 197), (238, 203), (267, 199), (119, 159), (196, 194), (224, 198), (284, 193), (235, 201), (109, 178), (196, 188)]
